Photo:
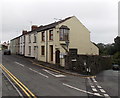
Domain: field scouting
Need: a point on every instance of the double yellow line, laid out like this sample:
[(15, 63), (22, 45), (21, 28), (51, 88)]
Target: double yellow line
[(28, 93)]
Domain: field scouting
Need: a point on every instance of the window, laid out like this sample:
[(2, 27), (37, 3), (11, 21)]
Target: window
[(24, 49), (35, 38), (61, 34), (43, 36), (29, 50), (23, 39), (35, 49), (64, 34), (51, 35), (42, 50), (29, 38)]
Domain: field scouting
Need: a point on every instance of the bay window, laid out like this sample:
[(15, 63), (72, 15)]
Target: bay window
[(64, 34), (51, 35)]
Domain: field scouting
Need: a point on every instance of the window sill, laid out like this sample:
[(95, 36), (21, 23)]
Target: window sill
[(62, 42), (51, 40), (42, 55), (42, 41)]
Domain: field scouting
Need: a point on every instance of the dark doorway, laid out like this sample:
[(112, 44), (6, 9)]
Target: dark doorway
[(51, 52), (57, 57)]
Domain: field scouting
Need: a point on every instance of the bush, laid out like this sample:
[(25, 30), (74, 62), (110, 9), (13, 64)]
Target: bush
[(116, 58)]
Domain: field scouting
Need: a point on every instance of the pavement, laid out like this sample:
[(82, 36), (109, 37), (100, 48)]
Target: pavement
[(44, 82), (7, 89), (53, 67)]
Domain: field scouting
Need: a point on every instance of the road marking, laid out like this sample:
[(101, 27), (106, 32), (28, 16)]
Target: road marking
[(99, 86), (94, 79), (94, 89), (79, 89), (93, 86), (106, 95), (38, 73), (54, 74), (102, 90), (59, 76), (13, 85), (97, 94), (43, 75), (20, 84), (20, 64)]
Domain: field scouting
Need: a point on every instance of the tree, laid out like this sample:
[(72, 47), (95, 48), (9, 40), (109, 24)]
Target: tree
[(110, 49), (107, 49), (117, 43), (101, 47), (116, 58)]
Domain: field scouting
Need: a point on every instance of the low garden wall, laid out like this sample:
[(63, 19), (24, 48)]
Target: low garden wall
[(86, 64)]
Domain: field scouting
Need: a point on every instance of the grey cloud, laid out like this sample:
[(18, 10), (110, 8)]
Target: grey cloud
[(99, 17)]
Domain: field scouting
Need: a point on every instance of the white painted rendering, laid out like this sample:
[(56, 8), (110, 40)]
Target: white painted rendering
[(32, 44)]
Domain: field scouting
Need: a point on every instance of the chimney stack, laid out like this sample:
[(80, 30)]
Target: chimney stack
[(34, 27), (24, 32)]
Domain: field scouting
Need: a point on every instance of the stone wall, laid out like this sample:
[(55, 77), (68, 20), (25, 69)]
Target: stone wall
[(86, 64)]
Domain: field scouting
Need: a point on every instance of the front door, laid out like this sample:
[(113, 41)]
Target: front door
[(51, 52), (57, 57), (36, 52)]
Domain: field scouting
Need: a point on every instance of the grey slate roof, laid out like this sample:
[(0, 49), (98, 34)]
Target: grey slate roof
[(52, 25), (45, 27)]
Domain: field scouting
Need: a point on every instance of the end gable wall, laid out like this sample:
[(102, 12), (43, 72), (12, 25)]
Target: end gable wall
[(80, 37)]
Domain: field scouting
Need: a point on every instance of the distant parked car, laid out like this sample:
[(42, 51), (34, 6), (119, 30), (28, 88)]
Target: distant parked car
[(116, 67), (7, 52)]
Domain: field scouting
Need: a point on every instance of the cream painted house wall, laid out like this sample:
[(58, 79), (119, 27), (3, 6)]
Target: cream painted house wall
[(22, 45), (14, 45), (32, 44), (45, 57), (56, 45), (79, 38), (26, 45)]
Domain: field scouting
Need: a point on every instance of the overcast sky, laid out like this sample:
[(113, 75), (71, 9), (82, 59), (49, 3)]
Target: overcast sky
[(99, 16)]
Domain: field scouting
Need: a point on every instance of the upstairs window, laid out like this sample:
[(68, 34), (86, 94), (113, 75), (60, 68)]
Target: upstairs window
[(43, 36), (64, 34), (29, 50), (24, 39), (29, 38), (42, 50), (35, 38), (51, 35)]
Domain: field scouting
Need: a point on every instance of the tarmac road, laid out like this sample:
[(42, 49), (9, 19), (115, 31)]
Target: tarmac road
[(43, 82)]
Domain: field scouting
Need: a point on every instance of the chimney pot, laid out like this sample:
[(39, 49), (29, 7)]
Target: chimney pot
[(34, 27), (24, 32)]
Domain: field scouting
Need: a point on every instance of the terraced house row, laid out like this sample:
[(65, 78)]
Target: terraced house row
[(50, 43)]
